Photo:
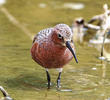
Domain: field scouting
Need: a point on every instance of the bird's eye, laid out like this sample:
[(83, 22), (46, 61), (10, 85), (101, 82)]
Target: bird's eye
[(59, 36)]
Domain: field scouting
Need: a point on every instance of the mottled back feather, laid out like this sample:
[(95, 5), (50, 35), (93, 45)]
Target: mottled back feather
[(42, 35)]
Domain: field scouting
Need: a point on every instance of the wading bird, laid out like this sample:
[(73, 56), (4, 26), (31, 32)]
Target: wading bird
[(104, 22), (53, 48)]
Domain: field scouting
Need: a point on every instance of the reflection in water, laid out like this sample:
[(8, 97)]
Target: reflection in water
[(66, 90), (102, 83), (75, 6), (104, 63), (60, 5), (106, 54)]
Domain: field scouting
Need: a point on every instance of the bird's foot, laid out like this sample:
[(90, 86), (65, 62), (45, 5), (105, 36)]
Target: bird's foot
[(48, 85), (58, 86)]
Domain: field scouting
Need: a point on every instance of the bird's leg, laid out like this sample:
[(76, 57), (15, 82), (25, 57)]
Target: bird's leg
[(59, 78), (48, 78)]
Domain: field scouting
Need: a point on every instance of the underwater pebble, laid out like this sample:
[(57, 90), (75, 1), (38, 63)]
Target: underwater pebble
[(94, 68), (42, 5)]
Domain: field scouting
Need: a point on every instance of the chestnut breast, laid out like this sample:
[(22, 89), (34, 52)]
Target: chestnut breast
[(50, 55)]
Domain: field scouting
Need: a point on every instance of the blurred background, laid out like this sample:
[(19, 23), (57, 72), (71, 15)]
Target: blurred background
[(20, 20)]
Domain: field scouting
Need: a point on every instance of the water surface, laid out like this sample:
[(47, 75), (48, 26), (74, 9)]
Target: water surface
[(26, 80)]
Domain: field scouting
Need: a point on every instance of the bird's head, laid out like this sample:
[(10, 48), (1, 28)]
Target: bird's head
[(62, 35)]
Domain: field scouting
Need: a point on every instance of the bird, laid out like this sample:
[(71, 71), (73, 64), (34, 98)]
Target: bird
[(5, 94), (53, 48)]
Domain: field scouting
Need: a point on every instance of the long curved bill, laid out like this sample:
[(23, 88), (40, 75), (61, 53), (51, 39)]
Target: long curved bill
[(72, 51)]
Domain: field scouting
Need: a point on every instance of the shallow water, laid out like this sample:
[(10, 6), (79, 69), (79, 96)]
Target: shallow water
[(24, 79)]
